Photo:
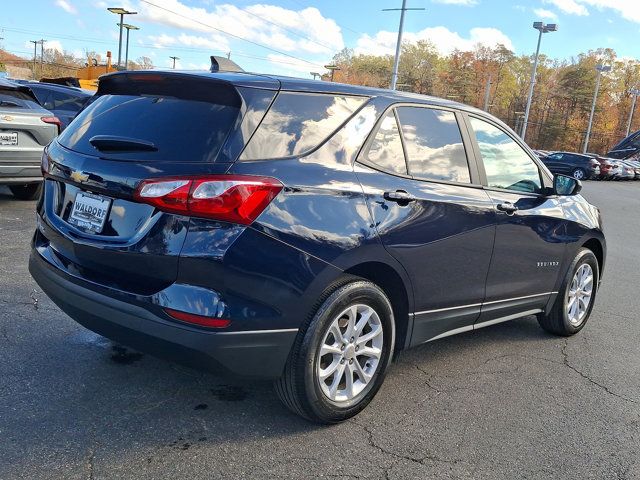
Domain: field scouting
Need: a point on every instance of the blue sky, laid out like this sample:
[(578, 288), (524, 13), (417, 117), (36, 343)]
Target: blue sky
[(302, 35)]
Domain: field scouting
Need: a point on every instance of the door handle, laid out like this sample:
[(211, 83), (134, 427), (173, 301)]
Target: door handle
[(507, 207), (399, 196)]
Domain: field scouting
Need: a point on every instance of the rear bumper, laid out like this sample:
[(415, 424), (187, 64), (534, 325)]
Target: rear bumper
[(258, 353), (20, 166)]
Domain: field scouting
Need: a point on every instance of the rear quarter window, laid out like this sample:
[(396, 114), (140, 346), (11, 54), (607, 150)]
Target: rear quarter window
[(297, 123)]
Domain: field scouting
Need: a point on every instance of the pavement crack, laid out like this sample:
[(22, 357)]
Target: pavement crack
[(427, 382), (90, 457), (565, 360), (398, 456)]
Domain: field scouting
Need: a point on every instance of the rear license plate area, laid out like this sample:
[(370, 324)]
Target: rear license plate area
[(9, 138), (90, 212)]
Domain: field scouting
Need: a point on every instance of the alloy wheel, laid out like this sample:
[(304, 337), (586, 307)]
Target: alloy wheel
[(350, 353), (579, 295)]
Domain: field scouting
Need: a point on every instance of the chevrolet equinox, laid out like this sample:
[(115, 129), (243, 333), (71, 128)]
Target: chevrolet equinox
[(303, 231)]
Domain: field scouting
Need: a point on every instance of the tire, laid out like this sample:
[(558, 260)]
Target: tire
[(30, 191), (559, 321), (579, 174), (301, 388)]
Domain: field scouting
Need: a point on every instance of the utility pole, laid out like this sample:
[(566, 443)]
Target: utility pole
[(487, 91), (174, 61), (542, 28), (396, 62), (41, 41), (600, 69), (634, 93), (35, 56), (228, 55)]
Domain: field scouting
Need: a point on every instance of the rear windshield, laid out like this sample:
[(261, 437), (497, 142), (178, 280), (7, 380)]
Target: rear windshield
[(16, 99), (180, 130)]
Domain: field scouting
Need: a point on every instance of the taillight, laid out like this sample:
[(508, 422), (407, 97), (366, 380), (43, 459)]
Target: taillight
[(198, 319), (54, 121), (228, 198)]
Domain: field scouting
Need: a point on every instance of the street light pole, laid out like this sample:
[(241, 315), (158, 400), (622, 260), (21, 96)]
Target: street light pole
[(634, 93), (332, 68), (396, 61), (600, 69), (126, 50), (542, 28), (174, 61), (122, 12)]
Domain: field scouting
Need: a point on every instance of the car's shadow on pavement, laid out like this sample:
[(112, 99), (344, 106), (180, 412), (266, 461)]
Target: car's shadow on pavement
[(126, 391)]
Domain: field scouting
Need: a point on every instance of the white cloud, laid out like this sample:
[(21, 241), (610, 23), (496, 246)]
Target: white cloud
[(457, 2), (324, 35), (291, 66), (545, 14), (572, 7), (48, 45), (53, 45), (214, 42), (67, 6), (628, 9), (384, 42)]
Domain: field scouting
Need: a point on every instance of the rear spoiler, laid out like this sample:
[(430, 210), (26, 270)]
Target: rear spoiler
[(222, 64), (9, 85)]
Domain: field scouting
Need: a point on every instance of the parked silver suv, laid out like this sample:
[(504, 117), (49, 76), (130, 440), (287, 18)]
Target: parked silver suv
[(25, 129)]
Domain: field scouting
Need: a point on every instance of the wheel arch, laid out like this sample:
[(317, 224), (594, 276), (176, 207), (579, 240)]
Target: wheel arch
[(596, 246), (394, 286)]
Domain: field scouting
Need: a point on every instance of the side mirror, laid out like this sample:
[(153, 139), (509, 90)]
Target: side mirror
[(565, 186)]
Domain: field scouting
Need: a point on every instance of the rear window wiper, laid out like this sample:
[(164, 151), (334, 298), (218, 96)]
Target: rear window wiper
[(109, 143)]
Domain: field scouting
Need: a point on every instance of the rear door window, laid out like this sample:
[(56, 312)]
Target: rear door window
[(297, 123), (385, 151), (433, 141)]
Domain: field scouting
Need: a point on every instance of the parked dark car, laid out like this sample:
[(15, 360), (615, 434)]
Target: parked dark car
[(627, 148), (303, 231), (577, 165), (65, 102)]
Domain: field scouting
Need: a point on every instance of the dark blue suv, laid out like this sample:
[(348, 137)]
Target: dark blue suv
[(303, 231)]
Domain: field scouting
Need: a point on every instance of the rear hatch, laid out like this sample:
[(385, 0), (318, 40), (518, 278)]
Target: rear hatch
[(25, 128), (140, 126)]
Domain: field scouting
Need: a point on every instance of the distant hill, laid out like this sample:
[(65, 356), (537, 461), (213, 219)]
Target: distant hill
[(6, 57)]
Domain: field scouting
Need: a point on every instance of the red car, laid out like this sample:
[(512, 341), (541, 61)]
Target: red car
[(609, 168)]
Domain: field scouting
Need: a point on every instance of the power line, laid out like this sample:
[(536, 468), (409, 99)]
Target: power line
[(293, 32), (60, 36), (230, 34)]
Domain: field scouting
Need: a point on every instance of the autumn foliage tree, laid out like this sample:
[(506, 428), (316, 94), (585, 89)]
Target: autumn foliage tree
[(562, 97)]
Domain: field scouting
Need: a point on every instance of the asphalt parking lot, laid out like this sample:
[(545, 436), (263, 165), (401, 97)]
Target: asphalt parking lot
[(508, 401)]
